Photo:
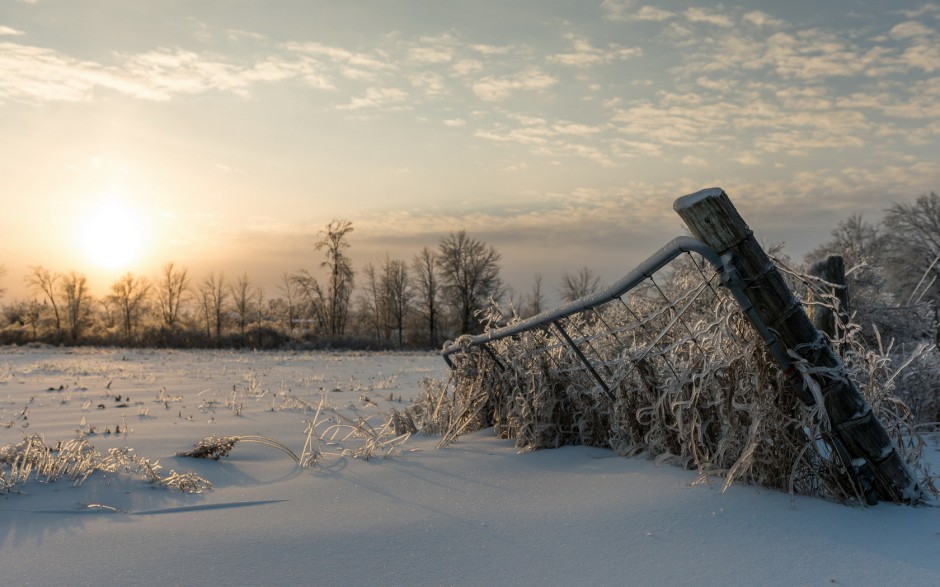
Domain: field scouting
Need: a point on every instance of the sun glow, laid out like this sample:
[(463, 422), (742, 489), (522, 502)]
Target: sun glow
[(112, 236)]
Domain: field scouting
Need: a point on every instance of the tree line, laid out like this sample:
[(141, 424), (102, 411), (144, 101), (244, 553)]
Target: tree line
[(439, 293), (893, 270)]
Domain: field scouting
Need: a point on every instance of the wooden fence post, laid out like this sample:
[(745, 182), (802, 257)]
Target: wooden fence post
[(831, 270), (713, 219)]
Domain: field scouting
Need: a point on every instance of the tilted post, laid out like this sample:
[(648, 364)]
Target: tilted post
[(831, 270), (713, 219)]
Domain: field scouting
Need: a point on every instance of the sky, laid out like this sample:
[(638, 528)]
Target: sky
[(222, 135)]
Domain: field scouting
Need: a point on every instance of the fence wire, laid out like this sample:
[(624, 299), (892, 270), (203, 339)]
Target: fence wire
[(669, 361)]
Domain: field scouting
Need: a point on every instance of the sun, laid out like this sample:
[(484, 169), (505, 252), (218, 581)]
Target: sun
[(112, 236)]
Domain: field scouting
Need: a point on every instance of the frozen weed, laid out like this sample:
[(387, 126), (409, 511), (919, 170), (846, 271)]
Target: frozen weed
[(77, 460), (216, 447), (688, 382), (330, 434)]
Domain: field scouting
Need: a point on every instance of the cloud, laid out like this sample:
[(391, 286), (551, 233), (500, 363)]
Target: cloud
[(466, 67), (484, 49), (586, 55), (224, 169), (624, 10), (572, 128), (455, 122), (747, 159), (762, 19), (694, 161), (922, 11), (430, 55), (651, 13), (235, 35), (35, 73), (376, 98), (352, 64), (42, 74), (701, 15), (909, 30), (924, 54), (428, 82), (7, 31), (495, 89)]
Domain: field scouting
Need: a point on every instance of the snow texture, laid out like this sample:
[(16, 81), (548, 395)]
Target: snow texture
[(475, 513)]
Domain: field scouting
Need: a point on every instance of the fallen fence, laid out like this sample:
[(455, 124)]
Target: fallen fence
[(645, 330)]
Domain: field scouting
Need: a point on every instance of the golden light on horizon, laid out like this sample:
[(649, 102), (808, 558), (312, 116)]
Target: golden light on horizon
[(112, 236)]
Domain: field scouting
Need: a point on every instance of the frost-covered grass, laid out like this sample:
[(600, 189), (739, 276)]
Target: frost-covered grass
[(690, 383)]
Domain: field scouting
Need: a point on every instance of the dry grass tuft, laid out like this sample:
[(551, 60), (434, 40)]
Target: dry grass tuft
[(77, 460), (330, 434)]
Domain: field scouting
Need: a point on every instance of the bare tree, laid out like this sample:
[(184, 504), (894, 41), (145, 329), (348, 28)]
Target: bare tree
[(313, 297), (913, 248), (426, 286), (397, 293), (74, 291), (340, 286), (856, 241), (578, 285), (42, 281), (243, 294), (130, 295), (912, 236), (469, 276), (174, 284), (213, 296), (373, 304), (288, 289), (535, 301)]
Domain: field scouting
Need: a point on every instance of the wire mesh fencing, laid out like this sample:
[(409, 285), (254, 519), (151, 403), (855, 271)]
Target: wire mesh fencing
[(667, 362)]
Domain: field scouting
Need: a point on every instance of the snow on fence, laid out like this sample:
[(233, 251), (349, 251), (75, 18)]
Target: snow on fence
[(700, 356)]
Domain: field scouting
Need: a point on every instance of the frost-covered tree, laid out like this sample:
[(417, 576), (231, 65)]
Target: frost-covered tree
[(243, 294), (287, 306), (535, 300), (77, 302), (372, 303), (889, 276), (398, 294), (313, 298), (470, 277), (213, 297), (913, 248), (42, 281), (862, 247), (426, 285), (129, 294), (334, 242), (580, 284), (171, 291)]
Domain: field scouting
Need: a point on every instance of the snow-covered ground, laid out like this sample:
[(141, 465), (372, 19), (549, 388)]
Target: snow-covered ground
[(476, 513)]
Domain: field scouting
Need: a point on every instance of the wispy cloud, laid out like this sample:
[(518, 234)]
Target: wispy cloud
[(7, 31), (376, 98), (762, 19), (586, 55), (627, 10), (497, 88), (702, 15)]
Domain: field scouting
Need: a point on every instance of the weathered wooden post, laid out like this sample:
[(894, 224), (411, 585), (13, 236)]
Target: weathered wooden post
[(713, 219), (831, 270)]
